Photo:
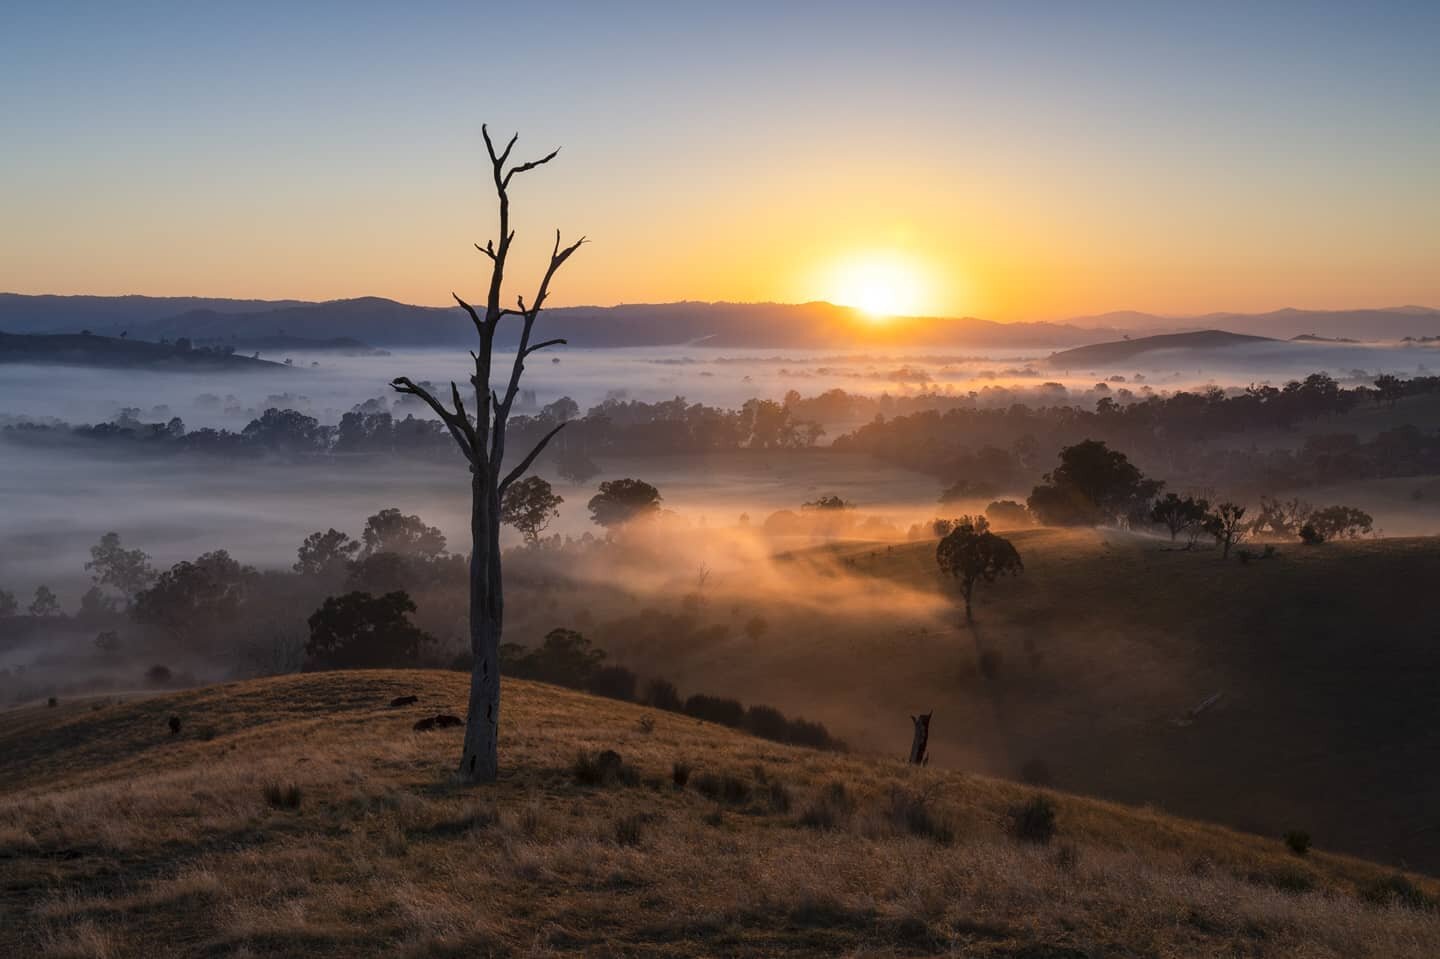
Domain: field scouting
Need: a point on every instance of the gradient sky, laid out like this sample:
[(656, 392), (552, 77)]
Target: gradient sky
[(1030, 160)]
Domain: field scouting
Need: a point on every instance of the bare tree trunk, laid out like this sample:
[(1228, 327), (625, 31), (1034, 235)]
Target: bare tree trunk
[(480, 760), (921, 742), (481, 438)]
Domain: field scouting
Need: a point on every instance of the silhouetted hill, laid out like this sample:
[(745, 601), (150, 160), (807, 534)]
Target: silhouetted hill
[(383, 322), (1385, 323), (1203, 341), (86, 349), (110, 314)]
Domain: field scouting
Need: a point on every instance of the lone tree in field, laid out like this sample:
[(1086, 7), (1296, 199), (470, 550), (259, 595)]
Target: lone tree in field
[(1179, 515), (972, 553), (481, 437), (529, 506), (1227, 524)]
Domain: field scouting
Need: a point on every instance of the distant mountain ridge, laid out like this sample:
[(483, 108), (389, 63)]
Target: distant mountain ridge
[(1381, 323), (1200, 341), (87, 349), (386, 323)]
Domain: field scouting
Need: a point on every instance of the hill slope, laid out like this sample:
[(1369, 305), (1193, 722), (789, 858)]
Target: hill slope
[(116, 353), (1121, 350), (1089, 663), (121, 840)]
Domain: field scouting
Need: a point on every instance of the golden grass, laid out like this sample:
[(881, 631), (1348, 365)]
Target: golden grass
[(117, 840)]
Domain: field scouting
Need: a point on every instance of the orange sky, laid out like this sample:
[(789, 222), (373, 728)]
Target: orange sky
[(1017, 165)]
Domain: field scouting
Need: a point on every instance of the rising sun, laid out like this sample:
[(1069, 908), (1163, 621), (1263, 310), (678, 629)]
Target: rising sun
[(879, 285)]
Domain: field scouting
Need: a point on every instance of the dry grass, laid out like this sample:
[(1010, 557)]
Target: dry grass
[(117, 840)]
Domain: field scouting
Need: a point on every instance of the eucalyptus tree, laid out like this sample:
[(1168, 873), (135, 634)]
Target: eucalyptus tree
[(479, 431)]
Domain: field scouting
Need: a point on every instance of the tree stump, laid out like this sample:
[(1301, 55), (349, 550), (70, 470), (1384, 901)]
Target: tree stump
[(921, 742)]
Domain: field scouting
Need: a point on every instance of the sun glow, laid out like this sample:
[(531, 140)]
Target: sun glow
[(880, 285)]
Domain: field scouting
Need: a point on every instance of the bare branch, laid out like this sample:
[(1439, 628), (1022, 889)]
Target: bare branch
[(402, 384), (474, 317), (524, 167), (519, 471), (488, 249), (558, 341), (508, 147), (460, 414)]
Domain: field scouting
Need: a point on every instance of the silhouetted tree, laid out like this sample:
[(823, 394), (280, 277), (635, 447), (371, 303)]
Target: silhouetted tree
[(390, 531), (125, 570), (565, 658), (620, 501), (971, 555), (8, 603), (195, 596), (529, 506), (360, 631), (326, 552), (1388, 389), (829, 502), (96, 605), (45, 602), (482, 441), (1092, 485), (1227, 524), (1282, 517), (1339, 522), (1008, 514), (1179, 515)]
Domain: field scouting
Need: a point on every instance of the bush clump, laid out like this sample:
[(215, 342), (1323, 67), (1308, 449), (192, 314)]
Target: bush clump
[(288, 796), (603, 769), (1034, 821), (728, 788), (680, 774), (830, 809), (1298, 842), (1396, 890), (912, 813), (715, 709)]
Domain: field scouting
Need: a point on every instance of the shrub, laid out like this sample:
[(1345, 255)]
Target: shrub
[(603, 769), (1033, 821), (1311, 536), (767, 722), (805, 733), (778, 797), (661, 694), (680, 774), (159, 675), (727, 788), (645, 724), (911, 813), (628, 830), (283, 797), (613, 682), (1395, 890), (830, 809), (715, 709), (1298, 841)]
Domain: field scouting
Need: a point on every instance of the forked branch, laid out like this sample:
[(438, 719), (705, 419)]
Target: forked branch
[(519, 471)]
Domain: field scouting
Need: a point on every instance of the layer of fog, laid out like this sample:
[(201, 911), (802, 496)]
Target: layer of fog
[(336, 384)]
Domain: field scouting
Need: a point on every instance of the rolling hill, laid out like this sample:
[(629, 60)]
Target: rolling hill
[(1120, 351), (85, 349), (302, 816), (1084, 670), (1384, 323)]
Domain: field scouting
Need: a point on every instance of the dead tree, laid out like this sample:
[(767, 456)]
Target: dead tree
[(481, 438), (921, 742)]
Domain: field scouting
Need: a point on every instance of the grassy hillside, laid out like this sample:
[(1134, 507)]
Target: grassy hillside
[(118, 839), (1088, 666)]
